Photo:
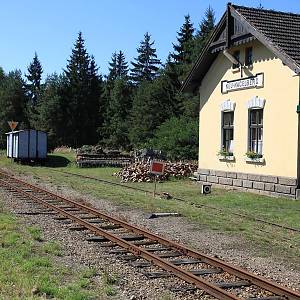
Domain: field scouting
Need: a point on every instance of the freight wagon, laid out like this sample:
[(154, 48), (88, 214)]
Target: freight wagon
[(27, 144)]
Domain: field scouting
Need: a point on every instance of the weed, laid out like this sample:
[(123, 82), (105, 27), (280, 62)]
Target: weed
[(52, 248), (109, 278), (35, 233)]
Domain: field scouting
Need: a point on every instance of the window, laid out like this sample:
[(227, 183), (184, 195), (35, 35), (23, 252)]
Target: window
[(236, 55), (256, 131), (227, 132), (248, 56)]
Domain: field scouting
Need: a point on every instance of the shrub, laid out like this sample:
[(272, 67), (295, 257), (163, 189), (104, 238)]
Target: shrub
[(177, 137)]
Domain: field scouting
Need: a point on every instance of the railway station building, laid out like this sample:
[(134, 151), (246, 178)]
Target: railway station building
[(247, 78)]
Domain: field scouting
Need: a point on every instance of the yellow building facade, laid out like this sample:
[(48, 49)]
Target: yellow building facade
[(248, 120)]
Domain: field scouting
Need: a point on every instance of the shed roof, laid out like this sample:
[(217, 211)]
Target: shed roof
[(278, 31), (17, 131)]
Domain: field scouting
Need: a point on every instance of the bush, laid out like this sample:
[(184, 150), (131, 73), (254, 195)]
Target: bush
[(178, 138)]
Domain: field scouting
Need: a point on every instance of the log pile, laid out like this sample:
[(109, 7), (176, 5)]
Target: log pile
[(140, 171), (95, 156)]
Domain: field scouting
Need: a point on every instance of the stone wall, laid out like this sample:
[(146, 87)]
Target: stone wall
[(267, 185)]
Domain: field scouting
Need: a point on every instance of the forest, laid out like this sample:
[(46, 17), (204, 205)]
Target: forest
[(137, 104)]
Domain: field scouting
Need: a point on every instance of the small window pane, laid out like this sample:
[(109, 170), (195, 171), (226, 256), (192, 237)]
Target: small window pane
[(236, 54), (228, 118), (248, 56), (260, 117), (253, 117)]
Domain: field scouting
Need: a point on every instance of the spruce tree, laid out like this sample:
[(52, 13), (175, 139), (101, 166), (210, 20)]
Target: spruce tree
[(95, 105), (52, 114), (34, 77), (146, 65), (118, 67), (112, 69), (116, 122), (184, 47), (82, 89), (122, 65), (13, 101), (206, 27), (153, 103)]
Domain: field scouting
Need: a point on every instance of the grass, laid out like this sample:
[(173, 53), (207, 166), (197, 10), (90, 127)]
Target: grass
[(28, 269), (263, 238)]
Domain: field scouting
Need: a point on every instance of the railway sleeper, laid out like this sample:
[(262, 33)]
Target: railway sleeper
[(182, 289), (161, 255), (101, 239), (153, 275), (234, 284), (145, 243), (268, 298), (176, 262), (110, 226), (77, 228), (154, 249)]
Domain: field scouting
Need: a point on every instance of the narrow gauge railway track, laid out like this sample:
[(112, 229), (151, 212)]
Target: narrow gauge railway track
[(145, 248), (245, 216)]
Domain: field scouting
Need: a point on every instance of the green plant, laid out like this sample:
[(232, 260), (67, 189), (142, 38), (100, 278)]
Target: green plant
[(252, 154), (52, 248), (224, 152), (36, 233)]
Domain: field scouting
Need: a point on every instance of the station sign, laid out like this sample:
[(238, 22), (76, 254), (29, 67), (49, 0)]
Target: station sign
[(256, 81), (157, 167)]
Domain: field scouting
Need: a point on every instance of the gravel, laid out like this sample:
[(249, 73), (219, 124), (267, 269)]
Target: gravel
[(132, 283)]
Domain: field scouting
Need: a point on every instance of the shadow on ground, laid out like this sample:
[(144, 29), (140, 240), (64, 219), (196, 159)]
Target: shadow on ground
[(56, 161)]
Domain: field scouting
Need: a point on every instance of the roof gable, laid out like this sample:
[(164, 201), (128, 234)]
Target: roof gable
[(278, 31)]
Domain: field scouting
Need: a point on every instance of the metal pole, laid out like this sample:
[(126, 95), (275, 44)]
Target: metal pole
[(154, 192)]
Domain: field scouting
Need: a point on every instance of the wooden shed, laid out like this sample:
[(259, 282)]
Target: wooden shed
[(27, 144)]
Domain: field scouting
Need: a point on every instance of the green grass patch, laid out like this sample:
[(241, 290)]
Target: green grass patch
[(265, 239), (28, 269)]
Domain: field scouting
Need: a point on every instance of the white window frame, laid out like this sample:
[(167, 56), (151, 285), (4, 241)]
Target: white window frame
[(255, 103), (227, 106)]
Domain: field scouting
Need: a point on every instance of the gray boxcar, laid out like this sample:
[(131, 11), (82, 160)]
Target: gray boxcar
[(27, 144)]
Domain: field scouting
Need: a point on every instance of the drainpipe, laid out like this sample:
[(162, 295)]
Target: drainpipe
[(298, 152)]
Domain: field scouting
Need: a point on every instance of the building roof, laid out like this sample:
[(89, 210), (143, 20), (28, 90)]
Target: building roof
[(278, 31), (22, 130), (283, 29)]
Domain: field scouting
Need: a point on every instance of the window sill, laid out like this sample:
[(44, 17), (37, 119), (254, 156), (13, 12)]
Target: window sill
[(258, 160), (226, 158)]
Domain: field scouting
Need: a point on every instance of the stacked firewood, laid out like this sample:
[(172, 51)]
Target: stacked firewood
[(140, 171), (95, 156)]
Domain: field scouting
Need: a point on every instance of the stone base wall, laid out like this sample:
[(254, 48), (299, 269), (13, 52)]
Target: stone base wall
[(268, 185)]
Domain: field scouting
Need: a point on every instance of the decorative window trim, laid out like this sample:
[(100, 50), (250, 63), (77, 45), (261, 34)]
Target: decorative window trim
[(227, 106), (256, 102)]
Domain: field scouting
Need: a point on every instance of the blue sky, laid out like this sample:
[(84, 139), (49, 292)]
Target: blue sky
[(51, 27)]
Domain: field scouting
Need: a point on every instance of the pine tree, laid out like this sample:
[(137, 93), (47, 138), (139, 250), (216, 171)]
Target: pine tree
[(51, 110), (146, 65), (116, 123), (206, 27), (153, 103), (34, 77), (12, 102), (184, 47), (95, 105), (112, 69), (82, 90), (122, 65), (118, 67)]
